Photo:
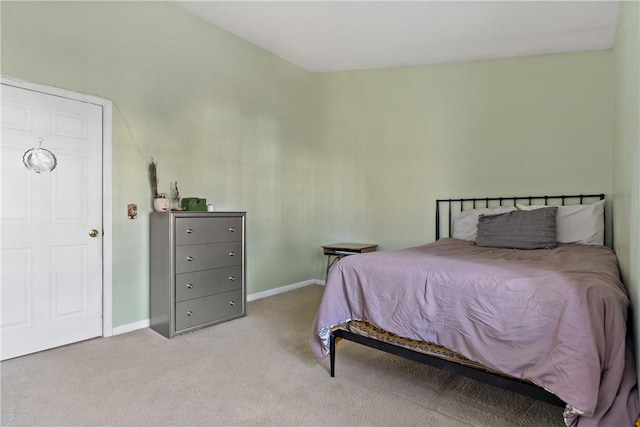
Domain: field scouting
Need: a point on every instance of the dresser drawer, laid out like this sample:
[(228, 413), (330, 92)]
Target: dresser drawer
[(193, 231), (205, 257), (208, 309), (208, 282)]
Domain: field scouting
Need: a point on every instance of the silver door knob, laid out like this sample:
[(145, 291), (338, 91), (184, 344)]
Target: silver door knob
[(189, 258), (189, 286), (94, 233), (232, 229), (232, 303), (189, 231), (232, 278), (189, 313), (232, 254)]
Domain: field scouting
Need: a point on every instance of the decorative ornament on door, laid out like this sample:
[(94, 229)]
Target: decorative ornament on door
[(39, 159)]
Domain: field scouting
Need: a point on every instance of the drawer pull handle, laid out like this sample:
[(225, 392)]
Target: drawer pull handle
[(232, 254), (232, 303), (232, 278), (189, 313), (232, 229), (189, 231), (189, 286), (189, 258)]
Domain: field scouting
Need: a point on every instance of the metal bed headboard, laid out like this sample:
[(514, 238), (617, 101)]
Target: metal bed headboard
[(461, 204)]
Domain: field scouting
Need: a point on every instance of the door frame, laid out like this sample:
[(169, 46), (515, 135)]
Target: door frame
[(107, 186)]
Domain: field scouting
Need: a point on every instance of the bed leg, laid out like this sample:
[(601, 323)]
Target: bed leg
[(332, 353)]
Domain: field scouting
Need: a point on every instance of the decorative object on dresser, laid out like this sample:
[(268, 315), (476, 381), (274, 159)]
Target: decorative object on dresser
[(194, 204), (175, 198), (197, 270), (161, 203)]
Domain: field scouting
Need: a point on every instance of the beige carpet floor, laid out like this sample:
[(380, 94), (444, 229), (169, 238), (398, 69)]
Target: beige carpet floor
[(257, 370)]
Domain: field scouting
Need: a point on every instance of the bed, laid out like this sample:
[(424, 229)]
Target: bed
[(520, 292)]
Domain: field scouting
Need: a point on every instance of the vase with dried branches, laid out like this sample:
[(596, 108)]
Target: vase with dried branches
[(160, 202)]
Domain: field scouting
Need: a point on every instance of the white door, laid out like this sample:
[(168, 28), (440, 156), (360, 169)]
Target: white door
[(51, 266)]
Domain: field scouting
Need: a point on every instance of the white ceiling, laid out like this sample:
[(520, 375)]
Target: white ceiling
[(323, 36)]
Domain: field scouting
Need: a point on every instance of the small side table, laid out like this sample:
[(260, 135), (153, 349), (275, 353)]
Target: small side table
[(336, 251)]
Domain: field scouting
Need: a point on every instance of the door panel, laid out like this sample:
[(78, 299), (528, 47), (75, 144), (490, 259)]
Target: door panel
[(16, 206), (51, 267), (68, 281), (68, 207), (16, 310)]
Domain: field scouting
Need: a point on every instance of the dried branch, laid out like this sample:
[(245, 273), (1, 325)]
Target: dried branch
[(176, 193), (153, 177)]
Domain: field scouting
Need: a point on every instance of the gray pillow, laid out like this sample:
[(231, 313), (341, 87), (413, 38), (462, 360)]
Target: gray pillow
[(519, 229)]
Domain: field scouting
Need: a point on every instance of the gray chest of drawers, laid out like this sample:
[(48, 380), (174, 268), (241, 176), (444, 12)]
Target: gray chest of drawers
[(197, 270)]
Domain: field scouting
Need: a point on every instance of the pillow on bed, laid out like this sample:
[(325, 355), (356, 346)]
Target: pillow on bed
[(465, 226), (582, 224), (534, 229)]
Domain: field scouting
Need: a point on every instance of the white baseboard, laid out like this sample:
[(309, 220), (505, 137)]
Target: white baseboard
[(141, 324), (129, 327), (283, 289)]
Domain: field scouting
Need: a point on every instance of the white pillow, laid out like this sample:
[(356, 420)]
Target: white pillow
[(465, 226), (582, 224)]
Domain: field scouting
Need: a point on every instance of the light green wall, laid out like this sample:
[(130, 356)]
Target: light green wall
[(626, 153), (392, 141), (356, 156), (227, 120)]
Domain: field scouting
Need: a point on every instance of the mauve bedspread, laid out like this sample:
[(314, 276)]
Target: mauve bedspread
[(556, 317)]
